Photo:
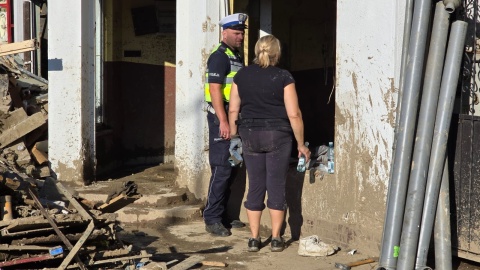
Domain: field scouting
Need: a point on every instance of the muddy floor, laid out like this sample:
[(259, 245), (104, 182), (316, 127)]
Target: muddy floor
[(175, 242)]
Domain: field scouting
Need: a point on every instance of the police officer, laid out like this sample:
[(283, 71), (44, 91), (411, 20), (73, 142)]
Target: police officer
[(222, 65)]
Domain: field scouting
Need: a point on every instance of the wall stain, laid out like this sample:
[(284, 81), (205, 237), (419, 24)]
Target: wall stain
[(339, 117), (390, 103), (208, 25), (354, 81)]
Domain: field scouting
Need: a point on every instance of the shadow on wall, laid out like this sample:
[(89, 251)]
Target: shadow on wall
[(314, 88)]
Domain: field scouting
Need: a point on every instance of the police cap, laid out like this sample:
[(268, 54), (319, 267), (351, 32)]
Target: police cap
[(235, 21)]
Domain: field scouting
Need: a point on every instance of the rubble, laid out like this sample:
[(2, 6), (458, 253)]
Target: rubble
[(42, 225), (57, 230)]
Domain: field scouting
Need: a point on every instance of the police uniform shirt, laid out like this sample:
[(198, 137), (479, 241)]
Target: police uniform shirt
[(218, 66)]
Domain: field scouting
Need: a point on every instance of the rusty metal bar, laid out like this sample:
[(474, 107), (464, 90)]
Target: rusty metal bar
[(30, 260)]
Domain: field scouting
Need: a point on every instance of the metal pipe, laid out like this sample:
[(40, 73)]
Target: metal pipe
[(398, 181), (423, 140), (442, 231), (451, 5), (407, 26), (442, 124)]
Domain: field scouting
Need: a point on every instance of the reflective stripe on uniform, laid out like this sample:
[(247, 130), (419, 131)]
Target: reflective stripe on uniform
[(235, 66)]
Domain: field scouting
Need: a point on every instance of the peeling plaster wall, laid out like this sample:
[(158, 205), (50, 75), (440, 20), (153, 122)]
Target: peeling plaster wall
[(348, 207), (197, 34)]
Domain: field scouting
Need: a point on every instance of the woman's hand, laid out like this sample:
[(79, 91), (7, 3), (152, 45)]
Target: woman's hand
[(302, 149)]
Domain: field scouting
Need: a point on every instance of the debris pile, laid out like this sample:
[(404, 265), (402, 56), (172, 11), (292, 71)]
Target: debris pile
[(42, 225), (23, 120), (61, 232)]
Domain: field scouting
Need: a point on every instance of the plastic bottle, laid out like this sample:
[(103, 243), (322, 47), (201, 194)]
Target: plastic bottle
[(330, 158), (302, 166)]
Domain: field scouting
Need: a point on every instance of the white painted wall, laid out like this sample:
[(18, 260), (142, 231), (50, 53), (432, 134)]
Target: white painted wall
[(368, 64), (71, 88), (349, 206), (197, 33)]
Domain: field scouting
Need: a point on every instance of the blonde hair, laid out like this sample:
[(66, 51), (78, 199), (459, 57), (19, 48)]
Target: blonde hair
[(267, 51)]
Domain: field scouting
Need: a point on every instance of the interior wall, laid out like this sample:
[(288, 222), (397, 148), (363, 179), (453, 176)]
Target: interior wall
[(346, 207), (139, 89)]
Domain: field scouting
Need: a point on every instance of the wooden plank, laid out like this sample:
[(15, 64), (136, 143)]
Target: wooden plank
[(54, 239), (18, 47), (118, 203), (73, 250), (39, 156), (23, 247), (188, 262), (21, 129), (39, 222), (214, 263), (13, 118)]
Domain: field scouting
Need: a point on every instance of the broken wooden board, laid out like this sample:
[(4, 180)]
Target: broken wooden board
[(21, 129), (39, 222), (12, 118), (23, 247), (188, 262), (101, 234), (214, 263), (18, 47), (118, 203)]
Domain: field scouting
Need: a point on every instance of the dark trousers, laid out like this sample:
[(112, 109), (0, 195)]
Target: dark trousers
[(221, 173), (266, 155)]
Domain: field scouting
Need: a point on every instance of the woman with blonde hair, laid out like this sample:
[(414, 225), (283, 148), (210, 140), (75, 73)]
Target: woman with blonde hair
[(266, 97)]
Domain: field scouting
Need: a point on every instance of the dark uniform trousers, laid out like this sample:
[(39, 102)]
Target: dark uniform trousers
[(221, 173)]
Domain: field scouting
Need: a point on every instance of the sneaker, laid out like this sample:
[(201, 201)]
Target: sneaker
[(217, 229), (277, 244), (237, 224), (312, 246), (254, 244)]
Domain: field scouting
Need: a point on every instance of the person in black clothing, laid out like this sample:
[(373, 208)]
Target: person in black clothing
[(223, 63), (266, 97)]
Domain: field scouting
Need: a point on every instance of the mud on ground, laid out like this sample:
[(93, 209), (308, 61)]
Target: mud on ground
[(178, 241)]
